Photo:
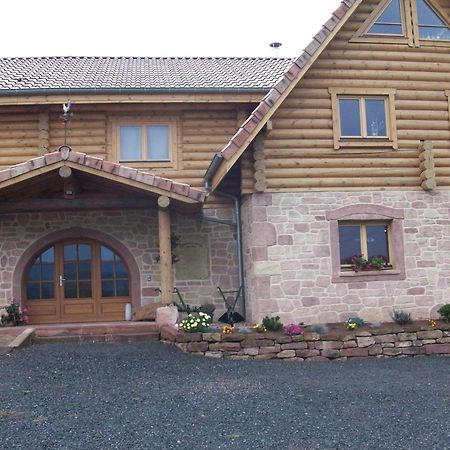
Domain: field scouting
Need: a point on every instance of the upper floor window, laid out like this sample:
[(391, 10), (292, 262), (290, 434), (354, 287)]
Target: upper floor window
[(431, 25), (363, 117), (412, 22), (144, 143), (389, 22)]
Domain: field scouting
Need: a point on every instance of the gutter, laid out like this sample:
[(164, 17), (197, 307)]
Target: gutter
[(237, 224), (153, 90)]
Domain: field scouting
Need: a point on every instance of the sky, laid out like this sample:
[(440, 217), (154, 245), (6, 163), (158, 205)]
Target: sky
[(160, 28)]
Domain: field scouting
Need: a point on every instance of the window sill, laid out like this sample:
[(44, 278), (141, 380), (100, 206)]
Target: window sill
[(361, 142), (368, 275)]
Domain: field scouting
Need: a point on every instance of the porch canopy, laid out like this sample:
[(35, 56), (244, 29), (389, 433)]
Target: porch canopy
[(66, 180)]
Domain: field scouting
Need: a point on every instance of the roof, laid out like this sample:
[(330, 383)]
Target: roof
[(104, 169), (278, 92), (139, 74)]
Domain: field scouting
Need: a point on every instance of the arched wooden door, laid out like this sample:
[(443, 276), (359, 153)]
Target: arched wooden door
[(76, 281)]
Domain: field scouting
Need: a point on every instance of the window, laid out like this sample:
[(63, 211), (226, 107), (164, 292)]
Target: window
[(143, 143), (40, 279), (415, 23), (367, 239), (367, 230), (363, 118), (431, 25), (389, 22)]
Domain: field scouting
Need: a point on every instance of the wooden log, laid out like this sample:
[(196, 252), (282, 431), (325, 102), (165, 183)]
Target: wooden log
[(163, 202), (260, 186), (165, 254), (65, 172)]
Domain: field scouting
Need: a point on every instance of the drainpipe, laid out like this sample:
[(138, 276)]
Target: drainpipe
[(237, 223)]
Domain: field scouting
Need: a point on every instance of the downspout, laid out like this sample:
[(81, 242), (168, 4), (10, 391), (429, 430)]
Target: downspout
[(237, 223)]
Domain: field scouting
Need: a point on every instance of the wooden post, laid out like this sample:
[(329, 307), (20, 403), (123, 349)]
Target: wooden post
[(165, 250)]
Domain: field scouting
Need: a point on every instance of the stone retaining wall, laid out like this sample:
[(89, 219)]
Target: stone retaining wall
[(337, 345)]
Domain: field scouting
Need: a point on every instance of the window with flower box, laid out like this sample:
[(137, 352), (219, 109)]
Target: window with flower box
[(361, 242), (368, 238)]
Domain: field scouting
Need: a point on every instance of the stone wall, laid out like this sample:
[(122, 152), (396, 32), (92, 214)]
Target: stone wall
[(213, 243), (288, 264), (390, 341)]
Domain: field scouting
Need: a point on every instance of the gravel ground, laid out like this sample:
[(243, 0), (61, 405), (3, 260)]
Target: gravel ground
[(152, 396)]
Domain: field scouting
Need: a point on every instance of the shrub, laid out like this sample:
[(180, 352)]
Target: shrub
[(401, 317), (15, 314), (272, 323), (195, 323), (319, 328), (209, 309), (293, 329), (444, 312)]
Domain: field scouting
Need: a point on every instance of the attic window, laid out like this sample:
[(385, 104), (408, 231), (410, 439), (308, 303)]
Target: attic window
[(431, 26), (389, 22)]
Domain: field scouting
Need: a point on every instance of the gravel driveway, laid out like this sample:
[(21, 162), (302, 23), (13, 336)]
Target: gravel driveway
[(152, 396)]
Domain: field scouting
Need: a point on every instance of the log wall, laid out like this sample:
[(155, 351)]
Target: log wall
[(299, 151), (202, 130)]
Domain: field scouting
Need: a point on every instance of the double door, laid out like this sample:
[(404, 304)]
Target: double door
[(76, 281)]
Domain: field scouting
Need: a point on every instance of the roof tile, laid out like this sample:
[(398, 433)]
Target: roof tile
[(74, 73)]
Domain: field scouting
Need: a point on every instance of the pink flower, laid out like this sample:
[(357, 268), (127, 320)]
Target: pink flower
[(293, 329)]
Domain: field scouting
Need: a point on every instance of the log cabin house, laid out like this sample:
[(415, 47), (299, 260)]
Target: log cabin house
[(274, 174)]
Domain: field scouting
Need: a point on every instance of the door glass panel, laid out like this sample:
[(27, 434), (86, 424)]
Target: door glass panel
[(41, 275), (114, 274), (77, 270), (70, 289), (70, 271), (122, 288), (107, 269), (107, 254), (85, 290), (70, 252), (48, 290), (107, 288), (84, 270), (33, 291)]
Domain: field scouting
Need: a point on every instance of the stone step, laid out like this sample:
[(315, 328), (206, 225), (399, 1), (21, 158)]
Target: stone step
[(115, 337), (97, 329)]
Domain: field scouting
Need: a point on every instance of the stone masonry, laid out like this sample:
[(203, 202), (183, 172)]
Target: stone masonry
[(138, 231), (287, 252)]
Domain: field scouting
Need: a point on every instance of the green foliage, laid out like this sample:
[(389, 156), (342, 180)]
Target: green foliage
[(319, 328), (209, 309), (272, 323), (174, 243), (196, 323), (356, 320), (444, 312), (401, 317)]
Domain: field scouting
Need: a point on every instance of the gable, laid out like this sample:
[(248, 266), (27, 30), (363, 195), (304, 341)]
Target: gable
[(298, 150)]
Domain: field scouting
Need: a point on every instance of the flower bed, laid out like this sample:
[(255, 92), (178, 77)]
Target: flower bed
[(389, 340)]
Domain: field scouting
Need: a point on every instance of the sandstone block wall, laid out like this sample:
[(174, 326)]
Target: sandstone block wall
[(138, 231), (288, 257)]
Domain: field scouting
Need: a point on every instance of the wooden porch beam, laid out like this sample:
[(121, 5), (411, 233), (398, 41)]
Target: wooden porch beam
[(43, 204), (165, 255)]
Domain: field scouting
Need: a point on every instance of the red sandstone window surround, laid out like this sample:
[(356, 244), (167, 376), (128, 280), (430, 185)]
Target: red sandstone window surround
[(368, 214)]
